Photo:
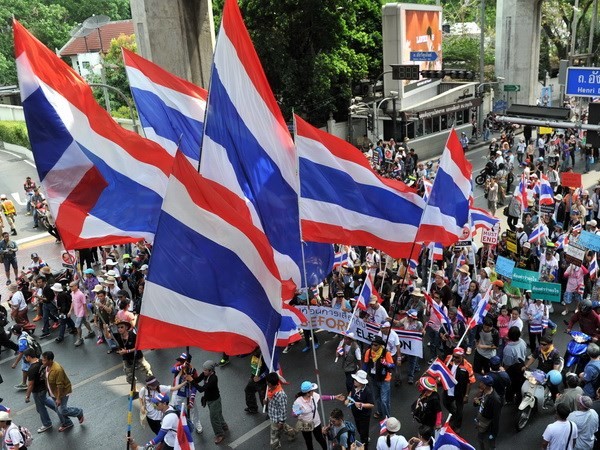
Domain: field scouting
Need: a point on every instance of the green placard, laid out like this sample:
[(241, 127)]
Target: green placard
[(546, 291), (522, 278), (512, 87)]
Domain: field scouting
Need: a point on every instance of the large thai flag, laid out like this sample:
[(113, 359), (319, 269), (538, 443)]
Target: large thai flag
[(343, 200), (447, 211), (483, 219), (184, 440), (449, 440), (104, 184), (208, 239), (248, 150), (289, 330), (171, 109), (440, 371)]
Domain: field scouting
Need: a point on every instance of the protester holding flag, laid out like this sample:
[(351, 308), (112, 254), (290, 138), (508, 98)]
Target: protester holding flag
[(277, 409), (167, 434), (257, 383), (456, 397), (391, 440), (424, 440), (427, 409), (379, 364)]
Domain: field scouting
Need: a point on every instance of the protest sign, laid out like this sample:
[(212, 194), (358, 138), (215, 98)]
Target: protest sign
[(589, 240), (546, 130), (504, 266), (464, 244), (489, 237), (546, 291), (570, 179), (547, 209), (336, 321), (522, 278), (574, 254), (511, 241)]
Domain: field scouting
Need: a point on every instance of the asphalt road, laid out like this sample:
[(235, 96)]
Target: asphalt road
[(100, 387)]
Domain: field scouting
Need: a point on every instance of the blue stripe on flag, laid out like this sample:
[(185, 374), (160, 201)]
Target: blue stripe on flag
[(213, 273), (169, 123), (459, 207), (327, 184)]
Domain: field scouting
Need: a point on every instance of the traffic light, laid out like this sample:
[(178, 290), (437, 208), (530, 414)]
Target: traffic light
[(405, 72), (433, 74), (461, 74), (370, 122)]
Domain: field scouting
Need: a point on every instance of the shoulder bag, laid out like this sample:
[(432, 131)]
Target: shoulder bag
[(307, 425)]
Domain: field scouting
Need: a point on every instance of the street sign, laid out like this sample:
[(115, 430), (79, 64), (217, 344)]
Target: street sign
[(512, 87), (500, 105), (583, 81), (423, 56)]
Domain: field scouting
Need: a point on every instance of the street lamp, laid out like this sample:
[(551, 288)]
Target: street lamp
[(124, 97), (376, 108)]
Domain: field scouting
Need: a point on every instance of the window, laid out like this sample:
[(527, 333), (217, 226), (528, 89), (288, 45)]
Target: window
[(436, 124), (85, 65)]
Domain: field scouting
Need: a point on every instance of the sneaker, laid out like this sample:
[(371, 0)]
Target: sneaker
[(28, 214), (564, 313), (20, 387), (469, 350), (250, 411), (45, 334), (55, 325), (305, 349), (14, 232), (431, 361), (410, 381), (35, 226), (563, 303), (58, 340), (8, 282), (37, 318), (316, 346), (286, 349), (223, 362), (43, 429), (78, 342), (219, 439), (65, 427), (199, 428), (553, 331), (81, 418), (100, 341), (90, 335)]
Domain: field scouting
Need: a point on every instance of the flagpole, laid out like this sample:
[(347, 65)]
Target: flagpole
[(271, 366), (356, 306), (312, 334), (429, 277)]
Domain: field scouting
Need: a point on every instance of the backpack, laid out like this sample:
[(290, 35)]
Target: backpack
[(350, 428), (26, 435), (3, 316), (35, 345)]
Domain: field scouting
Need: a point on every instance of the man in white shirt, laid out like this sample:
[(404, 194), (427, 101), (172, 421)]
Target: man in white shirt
[(376, 312), (586, 420), (168, 425), (562, 433)]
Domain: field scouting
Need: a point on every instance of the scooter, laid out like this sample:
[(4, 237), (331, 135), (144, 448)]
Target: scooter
[(576, 348), (42, 213), (536, 397)]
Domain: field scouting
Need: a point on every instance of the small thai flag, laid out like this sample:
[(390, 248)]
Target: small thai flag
[(462, 259), (436, 251), (440, 371), (580, 288), (280, 374), (364, 297), (340, 259), (439, 313), (482, 309), (593, 269), (448, 439), (576, 228), (372, 327), (427, 186), (460, 316), (562, 241), (184, 441), (537, 233), (383, 425)]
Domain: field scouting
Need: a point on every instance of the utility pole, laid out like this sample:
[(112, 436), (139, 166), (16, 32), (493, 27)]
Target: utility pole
[(593, 27), (574, 27), (481, 64)]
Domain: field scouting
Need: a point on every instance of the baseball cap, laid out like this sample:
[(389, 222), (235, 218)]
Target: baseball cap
[(160, 398), (487, 380), (308, 386)]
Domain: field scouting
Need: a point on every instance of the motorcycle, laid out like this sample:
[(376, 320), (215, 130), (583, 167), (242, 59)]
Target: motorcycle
[(488, 171), (41, 211), (576, 348), (536, 397)]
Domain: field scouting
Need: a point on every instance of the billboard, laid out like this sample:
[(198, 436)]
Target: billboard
[(421, 32), (412, 34)]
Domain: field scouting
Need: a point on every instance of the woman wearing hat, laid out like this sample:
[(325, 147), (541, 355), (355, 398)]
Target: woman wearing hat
[(306, 409), (391, 439), (427, 409), (148, 408), (483, 280), (361, 402), (90, 281), (11, 436)]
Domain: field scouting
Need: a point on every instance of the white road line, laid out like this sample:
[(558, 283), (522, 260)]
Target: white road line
[(253, 432), (82, 383), (32, 238), (23, 158), (11, 153)]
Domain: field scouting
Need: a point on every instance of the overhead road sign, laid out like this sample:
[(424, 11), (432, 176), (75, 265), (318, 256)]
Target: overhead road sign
[(423, 56), (512, 87), (583, 82)]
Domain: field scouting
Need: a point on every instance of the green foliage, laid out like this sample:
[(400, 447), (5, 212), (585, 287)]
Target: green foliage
[(14, 133), (79, 10)]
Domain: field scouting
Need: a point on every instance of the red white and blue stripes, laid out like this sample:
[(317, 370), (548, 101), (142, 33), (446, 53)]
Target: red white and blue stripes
[(363, 299), (104, 184), (483, 219), (170, 108), (538, 233), (207, 239), (441, 372), (447, 211), (343, 200)]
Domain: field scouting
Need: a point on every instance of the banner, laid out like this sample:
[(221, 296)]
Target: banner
[(589, 240), (336, 321), (546, 291), (522, 278), (504, 266)]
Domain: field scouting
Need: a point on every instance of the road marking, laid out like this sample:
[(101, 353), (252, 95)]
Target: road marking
[(43, 344), (33, 238), (17, 198), (24, 159), (82, 383), (253, 432)]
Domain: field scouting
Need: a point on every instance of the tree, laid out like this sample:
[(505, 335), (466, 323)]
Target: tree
[(312, 51)]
